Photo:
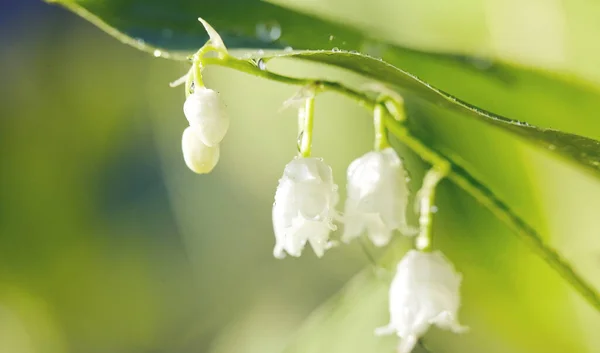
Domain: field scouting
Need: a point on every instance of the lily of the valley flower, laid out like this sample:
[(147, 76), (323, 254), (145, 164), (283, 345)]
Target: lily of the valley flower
[(424, 292), (205, 110), (304, 207), (377, 197), (199, 157)]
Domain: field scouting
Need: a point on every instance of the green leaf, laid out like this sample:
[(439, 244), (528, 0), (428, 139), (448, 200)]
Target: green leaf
[(171, 29)]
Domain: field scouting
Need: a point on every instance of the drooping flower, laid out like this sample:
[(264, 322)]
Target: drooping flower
[(199, 157), (424, 292), (205, 110), (377, 197), (304, 207)]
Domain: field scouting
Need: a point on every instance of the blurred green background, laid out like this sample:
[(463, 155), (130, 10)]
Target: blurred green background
[(109, 244)]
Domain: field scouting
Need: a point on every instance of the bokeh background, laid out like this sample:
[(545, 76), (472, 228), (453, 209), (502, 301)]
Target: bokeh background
[(109, 244)]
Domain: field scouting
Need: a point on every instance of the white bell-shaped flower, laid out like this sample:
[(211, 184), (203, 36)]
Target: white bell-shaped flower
[(304, 207), (199, 157), (377, 197), (424, 292), (205, 110)]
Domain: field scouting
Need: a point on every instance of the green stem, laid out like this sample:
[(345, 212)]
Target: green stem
[(198, 82), (426, 199), (457, 175), (381, 140), (308, 117), (321, 85)]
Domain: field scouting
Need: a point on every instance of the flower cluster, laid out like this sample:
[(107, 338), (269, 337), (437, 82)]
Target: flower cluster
[(425, 289)]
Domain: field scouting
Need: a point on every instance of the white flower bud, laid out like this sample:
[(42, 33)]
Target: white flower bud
[(424, 292), (304, 207), (205, 110), (377, 197), (199, 157)]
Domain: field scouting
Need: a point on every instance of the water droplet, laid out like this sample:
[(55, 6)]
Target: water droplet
[(288, 49), (157, 53), (140, 41), (331, 37), (260, 52), (268, 31), (261, 64), (433, 209), (335, 49), (300, 136)]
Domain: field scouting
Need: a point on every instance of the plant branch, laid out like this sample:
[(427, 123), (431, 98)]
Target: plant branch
[(458, 175)]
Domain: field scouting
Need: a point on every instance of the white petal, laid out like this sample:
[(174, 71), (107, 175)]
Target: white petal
[(199, 157), (379, 234), (354, 224), (304, 207), (205, 110), (407, 344), (424, 292), (377, 196)]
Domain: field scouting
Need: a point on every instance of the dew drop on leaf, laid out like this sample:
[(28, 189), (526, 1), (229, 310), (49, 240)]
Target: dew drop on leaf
[(157, 53), (261, 64)]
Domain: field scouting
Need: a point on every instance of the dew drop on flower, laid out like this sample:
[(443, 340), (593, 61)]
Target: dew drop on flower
[(268, 31)]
